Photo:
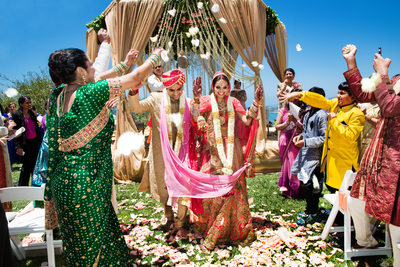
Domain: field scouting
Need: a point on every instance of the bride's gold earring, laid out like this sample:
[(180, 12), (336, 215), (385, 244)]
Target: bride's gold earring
[(84, 79)]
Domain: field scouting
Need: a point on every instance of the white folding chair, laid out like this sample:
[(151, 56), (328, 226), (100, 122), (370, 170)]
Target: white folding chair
[(26, 224), (339, 200)]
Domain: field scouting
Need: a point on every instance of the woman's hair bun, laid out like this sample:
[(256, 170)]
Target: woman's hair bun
[(63, 63)]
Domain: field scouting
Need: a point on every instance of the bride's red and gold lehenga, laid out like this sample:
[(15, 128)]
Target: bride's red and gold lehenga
[(224, 219)]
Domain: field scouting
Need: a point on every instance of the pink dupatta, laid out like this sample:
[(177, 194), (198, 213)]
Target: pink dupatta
[(182, 181)]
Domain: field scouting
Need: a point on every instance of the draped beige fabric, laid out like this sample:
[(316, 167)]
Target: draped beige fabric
[(276, 47), (246, 30), (130, 25), (91, 44), (277, 57)]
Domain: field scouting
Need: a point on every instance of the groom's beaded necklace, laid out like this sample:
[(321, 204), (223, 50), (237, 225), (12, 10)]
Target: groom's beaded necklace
[(167, 101)]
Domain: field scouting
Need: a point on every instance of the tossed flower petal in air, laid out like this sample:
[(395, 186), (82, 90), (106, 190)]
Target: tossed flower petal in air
[(11, 92), (243, 65), (188, 34), (169, 44), (130, 142), (164, 55), (255, 64), (223, 20), (195, 42), (154, 38), (172, 12), (261, 66), (215, 8), (298, 48), (200, 5)]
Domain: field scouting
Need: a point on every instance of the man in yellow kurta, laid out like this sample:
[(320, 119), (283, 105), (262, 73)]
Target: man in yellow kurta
[(153, 179), (346, 121)]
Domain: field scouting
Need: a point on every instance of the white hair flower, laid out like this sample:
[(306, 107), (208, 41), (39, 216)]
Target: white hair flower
[(215, 8)]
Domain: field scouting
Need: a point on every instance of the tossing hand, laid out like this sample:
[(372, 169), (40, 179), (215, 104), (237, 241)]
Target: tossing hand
[(131, 57), (284, 97), (157, 51), (197, 88), (103, 36), (258, 95), (349, 54)]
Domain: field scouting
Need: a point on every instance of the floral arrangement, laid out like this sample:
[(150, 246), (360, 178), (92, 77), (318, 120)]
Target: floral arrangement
[(195, 17)]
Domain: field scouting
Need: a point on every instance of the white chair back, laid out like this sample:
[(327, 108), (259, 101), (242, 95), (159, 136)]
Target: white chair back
[(21, 193)]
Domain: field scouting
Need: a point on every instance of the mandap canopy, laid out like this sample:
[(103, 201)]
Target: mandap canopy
[(211, 33)]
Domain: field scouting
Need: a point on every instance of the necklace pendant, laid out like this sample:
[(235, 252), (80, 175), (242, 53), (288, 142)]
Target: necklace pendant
[(222, 120)]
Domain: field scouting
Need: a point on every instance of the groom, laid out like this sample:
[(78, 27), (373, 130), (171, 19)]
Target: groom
[(154, 175)]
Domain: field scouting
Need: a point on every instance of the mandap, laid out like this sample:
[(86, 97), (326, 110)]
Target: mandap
[(213, 35)]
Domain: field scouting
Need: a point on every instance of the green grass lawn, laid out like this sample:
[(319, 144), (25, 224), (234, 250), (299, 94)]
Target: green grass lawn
[(140, 217)]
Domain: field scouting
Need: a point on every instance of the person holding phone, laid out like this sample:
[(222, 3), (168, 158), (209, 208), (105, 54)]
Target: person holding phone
[(376, 188)]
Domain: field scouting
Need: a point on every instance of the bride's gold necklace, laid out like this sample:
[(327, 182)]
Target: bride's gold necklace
[(222, 107)]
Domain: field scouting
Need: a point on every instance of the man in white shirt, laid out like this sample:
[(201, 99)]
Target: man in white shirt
[(154, 81)]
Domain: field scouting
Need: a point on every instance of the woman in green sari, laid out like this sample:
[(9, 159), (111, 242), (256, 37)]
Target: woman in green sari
[(80, 165)]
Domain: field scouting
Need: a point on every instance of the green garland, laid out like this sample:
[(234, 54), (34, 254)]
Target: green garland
[(272, 20), (97, 23)]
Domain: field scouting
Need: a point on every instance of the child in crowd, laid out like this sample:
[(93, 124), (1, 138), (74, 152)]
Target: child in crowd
[(307, 163)]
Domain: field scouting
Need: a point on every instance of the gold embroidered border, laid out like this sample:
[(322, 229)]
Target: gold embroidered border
[(87, 133), (115, 87)]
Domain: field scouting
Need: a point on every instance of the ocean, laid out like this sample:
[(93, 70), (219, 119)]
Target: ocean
[(272, 116)]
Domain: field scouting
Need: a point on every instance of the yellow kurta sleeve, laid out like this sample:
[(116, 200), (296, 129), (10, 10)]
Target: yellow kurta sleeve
[(352, 129), (317, 100)]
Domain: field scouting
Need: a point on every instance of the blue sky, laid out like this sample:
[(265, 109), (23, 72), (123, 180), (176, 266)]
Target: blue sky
[(31, 30)]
